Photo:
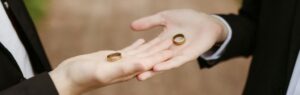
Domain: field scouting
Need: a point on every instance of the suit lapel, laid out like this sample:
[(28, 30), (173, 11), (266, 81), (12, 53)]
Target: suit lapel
[(294, 40), (28, 35)]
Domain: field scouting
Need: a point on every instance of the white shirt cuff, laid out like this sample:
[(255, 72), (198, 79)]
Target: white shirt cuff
[(217, 54)]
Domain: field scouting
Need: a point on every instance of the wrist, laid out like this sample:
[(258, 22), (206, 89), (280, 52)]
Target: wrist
[(223, 30), (63, 84)]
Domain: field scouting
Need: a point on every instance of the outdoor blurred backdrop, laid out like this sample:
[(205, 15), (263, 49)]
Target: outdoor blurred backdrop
[(71, 27)]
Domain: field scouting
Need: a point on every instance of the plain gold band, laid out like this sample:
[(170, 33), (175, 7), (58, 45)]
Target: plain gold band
[(181, 37), (114, 57)]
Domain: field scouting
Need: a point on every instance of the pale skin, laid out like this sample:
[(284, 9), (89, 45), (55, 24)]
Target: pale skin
[(202, 31), (83, 73)]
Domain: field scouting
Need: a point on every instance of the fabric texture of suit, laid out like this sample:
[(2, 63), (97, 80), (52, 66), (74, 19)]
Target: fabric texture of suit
[(12, 81), (269, 31)]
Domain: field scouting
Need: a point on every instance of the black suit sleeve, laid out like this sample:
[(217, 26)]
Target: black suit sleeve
[(38, 85), (243, 28)]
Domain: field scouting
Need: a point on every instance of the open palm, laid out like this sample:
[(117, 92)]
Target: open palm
[(201, 32), (85, 72)]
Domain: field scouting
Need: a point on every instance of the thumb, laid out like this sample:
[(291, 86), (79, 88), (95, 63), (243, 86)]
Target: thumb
[(148, 22)]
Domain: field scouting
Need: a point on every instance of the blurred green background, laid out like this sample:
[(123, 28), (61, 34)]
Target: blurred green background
[(36, 8)]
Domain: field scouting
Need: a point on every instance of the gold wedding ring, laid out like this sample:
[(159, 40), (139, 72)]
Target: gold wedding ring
[(114, 57), (179, 39)]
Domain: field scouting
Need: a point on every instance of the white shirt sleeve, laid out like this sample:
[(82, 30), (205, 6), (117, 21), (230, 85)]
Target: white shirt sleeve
[(11, 41), (218, 53)]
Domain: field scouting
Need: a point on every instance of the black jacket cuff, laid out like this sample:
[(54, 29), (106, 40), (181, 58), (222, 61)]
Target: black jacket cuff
[(39, 85)]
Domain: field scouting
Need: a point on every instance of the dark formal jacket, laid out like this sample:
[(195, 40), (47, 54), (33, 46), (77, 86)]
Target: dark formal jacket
[(12, 81), (268, 30)]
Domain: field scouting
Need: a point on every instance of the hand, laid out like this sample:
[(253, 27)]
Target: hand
[(201, 31), (86, 72)]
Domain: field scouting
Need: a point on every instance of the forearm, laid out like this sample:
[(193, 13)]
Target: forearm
[(63, 84)]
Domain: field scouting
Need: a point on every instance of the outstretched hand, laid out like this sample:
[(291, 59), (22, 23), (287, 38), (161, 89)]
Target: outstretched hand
[(86, 72), (201, 32)]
